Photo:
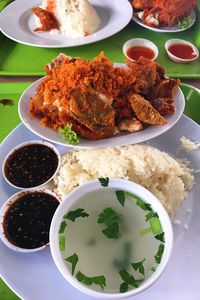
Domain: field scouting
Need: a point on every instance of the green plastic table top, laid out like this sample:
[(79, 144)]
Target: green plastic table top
[(23, 60)]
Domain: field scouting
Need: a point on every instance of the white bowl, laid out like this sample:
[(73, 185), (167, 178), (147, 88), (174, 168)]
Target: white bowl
[(178, 59), (3, 211), (140, 42), (116, 184), (31, 143)]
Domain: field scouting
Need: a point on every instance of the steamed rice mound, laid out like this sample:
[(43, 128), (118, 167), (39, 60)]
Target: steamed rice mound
[(167, 178)]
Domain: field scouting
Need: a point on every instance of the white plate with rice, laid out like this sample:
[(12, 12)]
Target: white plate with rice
[(117, 140), (114, 16), (35, 276)]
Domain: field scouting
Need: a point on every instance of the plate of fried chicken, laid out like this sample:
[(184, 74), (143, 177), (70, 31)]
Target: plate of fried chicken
[(101, 103), (164, 15)]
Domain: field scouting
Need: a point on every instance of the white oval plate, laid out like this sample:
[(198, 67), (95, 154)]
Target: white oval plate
[(174, 28), (35, 276), (117, 140), (17, 22)]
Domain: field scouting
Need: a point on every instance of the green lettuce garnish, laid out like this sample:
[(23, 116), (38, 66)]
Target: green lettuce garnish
[(69, 135)]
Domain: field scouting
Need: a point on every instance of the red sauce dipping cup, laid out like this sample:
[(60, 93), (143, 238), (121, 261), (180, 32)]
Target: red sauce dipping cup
[(135, 48), (181, 51)]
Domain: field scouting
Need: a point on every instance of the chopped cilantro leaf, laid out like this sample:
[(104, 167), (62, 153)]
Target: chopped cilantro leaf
[(123, 287), (74, 214), (69, 135), (104, 181), (153, 269), (99, 280), (80, 276), (112, 231), (159, 253), (87, 280), (111, 219), (128, 278), (73, 259), (160, 237), (62, 227), (120, 197), (139, 266), (108, 216)]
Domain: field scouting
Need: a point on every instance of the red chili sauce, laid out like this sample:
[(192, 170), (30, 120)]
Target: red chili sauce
[(136, 51), (182, 51)]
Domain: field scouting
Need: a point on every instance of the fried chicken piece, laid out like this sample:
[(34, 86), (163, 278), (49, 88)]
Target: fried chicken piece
[(145, 71), (164, 12), (142, 4), (79, 128), (36, 102), (165, 89), (57, 61), (130, 125), (171, 11), (160, 73), (164, 106), (144, 111), (89, 110), (47, 19)]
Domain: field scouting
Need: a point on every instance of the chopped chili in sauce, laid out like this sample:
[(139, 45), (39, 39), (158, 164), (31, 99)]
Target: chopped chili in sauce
[(31, 165), (27, 222)]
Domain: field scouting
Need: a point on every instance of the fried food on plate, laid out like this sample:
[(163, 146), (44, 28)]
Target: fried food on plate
[(145, 71), (99, 99), (47, 19), (144, 111), (163, 12)]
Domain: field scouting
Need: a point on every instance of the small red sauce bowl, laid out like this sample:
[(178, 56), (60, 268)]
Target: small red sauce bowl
[(148, 49), (181, 51)]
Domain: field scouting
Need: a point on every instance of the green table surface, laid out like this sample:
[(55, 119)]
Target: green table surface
[(23, 60), (9, 119)]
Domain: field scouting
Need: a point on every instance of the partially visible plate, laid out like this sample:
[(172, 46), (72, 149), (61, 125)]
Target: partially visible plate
[(35, 276), (117, 140), (174, 28), (17, 22), (192, 101)]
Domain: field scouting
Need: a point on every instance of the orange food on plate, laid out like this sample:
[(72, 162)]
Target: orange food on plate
[(99, 99), (47, 19), (163, 12)]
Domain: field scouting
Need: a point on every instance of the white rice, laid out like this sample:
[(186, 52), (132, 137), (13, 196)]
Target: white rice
[(187, 145), (168, 179), (77, 18)]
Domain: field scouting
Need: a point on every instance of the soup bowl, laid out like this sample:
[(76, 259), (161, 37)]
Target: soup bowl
[(111, 238)]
